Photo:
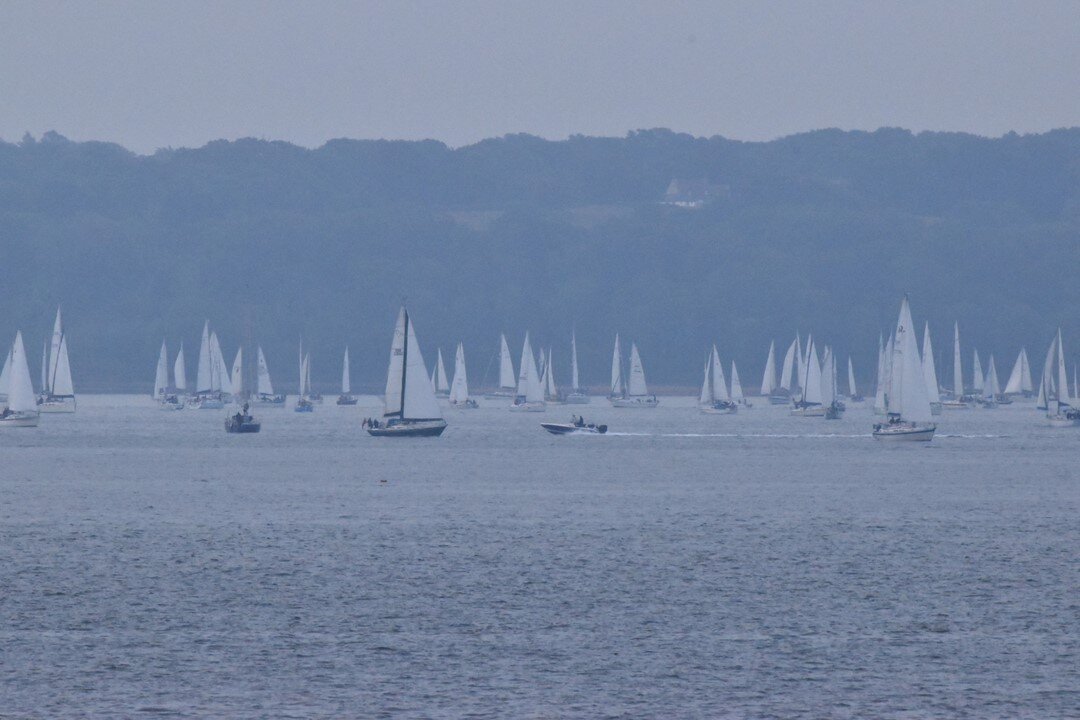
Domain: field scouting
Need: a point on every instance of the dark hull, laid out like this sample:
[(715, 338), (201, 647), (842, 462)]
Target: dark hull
[(425, 429), (570, 429), (343, 400), (243, 427)]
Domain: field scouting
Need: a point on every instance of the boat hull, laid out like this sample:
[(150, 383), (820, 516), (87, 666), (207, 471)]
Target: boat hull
[(635, 402), (811, 411), (469, 404), (499, 395), (51, 404), (577, 399), (170, 406), (1061, 421), (20, 419), (245, 426), (271, 401), (905, 433), (420, 428), (528, 407), (346, 400), (209, 403), (571, 429), (711, 410)]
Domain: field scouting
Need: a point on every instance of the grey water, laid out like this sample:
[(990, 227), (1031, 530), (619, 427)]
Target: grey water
[(683, 565)]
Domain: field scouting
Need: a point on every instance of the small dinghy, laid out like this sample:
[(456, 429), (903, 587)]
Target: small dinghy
[(577, 425), (242, 422)]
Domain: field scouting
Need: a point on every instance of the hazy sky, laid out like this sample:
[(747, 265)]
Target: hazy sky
[(151, 74)]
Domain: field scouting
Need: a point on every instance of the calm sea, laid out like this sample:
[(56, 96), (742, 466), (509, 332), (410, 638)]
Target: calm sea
[(683, 566)]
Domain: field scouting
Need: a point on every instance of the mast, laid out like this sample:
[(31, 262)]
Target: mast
[(404, 359)]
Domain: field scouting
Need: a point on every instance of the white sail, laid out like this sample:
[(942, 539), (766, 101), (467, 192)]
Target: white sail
[(161, 376), (991, 388), (346, 385), (54, 353), (828, 379), (550, 388), (636, 387), (812, 391), (958, 367), (459, 386), (1025, 373), (976, 373), (881, 403), (1014, 386), (45, 367), (736, 386), (706, 397), (302, 391), (237, 378), (307, 375), (180, 370), (529, 387), (61, 379), (719, 382), (852, 392), (408, 391), (265, 387), (1046, 382), (768, 379), (801, 364), (929, 371), (507, 378), (616, 371), (1063, 395), (5, 376), (20, 390), (204, 380), (789, 362), (574, 383), (441, 383), (219, 374), (907, 388)]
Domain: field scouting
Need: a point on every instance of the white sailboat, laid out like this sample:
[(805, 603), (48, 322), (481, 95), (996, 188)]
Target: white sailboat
[(853, 391), (208, 394), (958, 400), (991, 388), (236, 377), (809, 402), (346, 396), (20, 408), (180, 373), (442, 385), (264, 387), (57, 392), (1020, 378), (830, 394), (930, 372), (459, 386), (411, 409), (530, 391), (576, 397), (507, 376), (167, 398), (618, 389), (737, 395), (907, 404), (551, 388), (1054, 395), (977, 374), (304, 403), (637, 392), (768, 378), (714, 399)]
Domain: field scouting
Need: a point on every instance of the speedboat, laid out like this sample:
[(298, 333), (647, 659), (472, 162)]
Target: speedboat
[(242, 422), (578, 427), (346, 400)]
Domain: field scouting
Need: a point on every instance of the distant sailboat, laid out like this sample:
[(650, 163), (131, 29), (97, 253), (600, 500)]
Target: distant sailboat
[(1054, 395), (530, 391), (304, 403), (265, 388), (5, 377), (167, 398), (1020, 378), (637, 392), (788, 384), (57, 392), (907, 404), (236, 377), (930, 372), (21, 408), (576, 397), (853, 391), (714, 399), (809, 402), (507, 377), (180, 373), (880, 390), (958, 399), (346, 396), (208, 379), (442, 385), (977, 374), (411, 409), (991, 389), (459, 386), (737, 395), (551, 388)]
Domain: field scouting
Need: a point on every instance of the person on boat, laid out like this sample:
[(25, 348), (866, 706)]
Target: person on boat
[(579, 421)]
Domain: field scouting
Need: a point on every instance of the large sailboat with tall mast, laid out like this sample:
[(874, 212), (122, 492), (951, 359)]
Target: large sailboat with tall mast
[(809, 401), (1054, 395), (411, 409), (57, 391), (906, 402), (575, 396), (211, 376), (20, 409), (957, 400), (635, 394)]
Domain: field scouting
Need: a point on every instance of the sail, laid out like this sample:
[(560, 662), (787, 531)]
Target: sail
[(1025, 373), (719, 382), (45, 367), (506, 366), (812, 390), (302, 392), (852, 392), (976, 372), (459, 386), (441, 383), (20, 390), (1046, 382), (574, 383), (307, 375), (161, 376), (768, 379), (61, 379), (828, 379), (879, 388), (54, 355), (706, 397), (929, 371), (529, 387), (788, 366), (5, 375), (204, 372), (180, 370), (1062, 377), (237, 379), (1020, 377), (265, 387), (346, 386), (736, 386), (550, 388), (219, 375), (991, 388), (636, 386), (958, 368), (616, 371), (907, 388)]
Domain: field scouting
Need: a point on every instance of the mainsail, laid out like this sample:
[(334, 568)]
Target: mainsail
[(907, 389), (768, 379)]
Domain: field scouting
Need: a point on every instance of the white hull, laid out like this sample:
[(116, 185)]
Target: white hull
[(209, 404), (577, 399), (905, 433), (812, 411), (500, 395), (635, 402), (710, 410), (1061, 421), (528, 407), (170, 406), (20, 420), (56, 405), (953, 405)]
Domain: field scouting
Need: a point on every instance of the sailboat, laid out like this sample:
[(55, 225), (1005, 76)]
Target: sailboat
[(167, 398), (411, 409), (768, 378), (737, 395), (180, 374), (789, 375), (930, 372), (507, 377), (637, 392), (551, 388), (882, 376), (853, 391), (1054, 395), (957, 400), (809, 402), (346, 397), (1020, 378), (264, 387), (209, 394), (907, 404), (21, 408), (830, 395), (714, 399), (242, 422), (459, 386), (236, 377), (977, 378), (442, 385), (576, 397), (530, 391), (5, 375), (304, 402), (991, 389), (57, 392)]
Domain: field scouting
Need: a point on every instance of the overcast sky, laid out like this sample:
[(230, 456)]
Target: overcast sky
[(153, 74)]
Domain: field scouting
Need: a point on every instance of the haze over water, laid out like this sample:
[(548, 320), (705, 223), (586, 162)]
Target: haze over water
[(682, 566)]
